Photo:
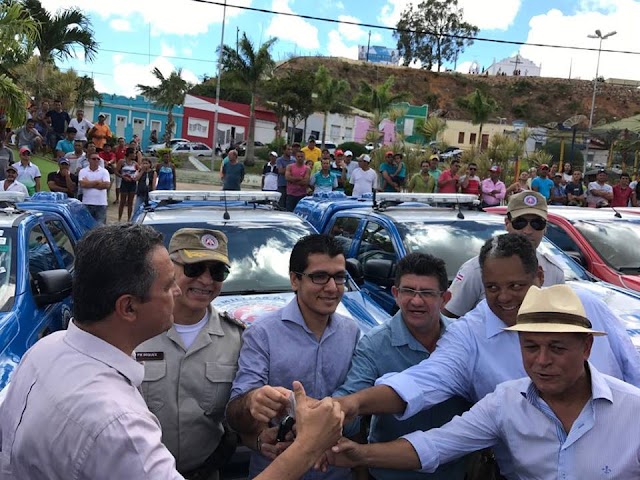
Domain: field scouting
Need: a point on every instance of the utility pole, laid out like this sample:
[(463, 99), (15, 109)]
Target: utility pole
[(215, 115), (237, 38), (368, 45)]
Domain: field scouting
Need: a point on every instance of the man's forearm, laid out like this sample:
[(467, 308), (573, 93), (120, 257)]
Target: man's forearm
[(240, 418), (398, 455), (379, 399), (292, 464)]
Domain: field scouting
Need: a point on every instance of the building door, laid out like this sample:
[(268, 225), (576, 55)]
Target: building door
[(121, 123), (157, 126), (485, 141), (138, 126)]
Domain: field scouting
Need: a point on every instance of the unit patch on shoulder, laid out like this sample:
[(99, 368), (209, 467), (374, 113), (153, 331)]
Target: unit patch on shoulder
[(234, 321)]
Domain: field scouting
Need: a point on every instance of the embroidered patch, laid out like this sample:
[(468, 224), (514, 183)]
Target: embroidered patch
[(209, 241), (531, 200), (459, 277), (148, 356)]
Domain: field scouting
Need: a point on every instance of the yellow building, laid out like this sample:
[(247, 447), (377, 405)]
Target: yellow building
[(463, 134)]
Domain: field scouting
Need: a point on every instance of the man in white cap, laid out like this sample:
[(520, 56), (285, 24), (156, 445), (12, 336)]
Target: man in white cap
[(526, 215), (565, 420), (270, 174), (364, 179)]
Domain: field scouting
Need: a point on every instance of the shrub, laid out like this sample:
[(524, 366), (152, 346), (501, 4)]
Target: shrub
[(356, 148), (262, 153)]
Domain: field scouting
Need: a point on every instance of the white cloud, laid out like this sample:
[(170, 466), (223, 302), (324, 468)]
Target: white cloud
[(117, 58), (485, 14), (187, 18), (348, 31), (120, 25), (337, 48), (556, 28), (293, 29), (128, 75), (376, 37), (187, 51), (167, 50)]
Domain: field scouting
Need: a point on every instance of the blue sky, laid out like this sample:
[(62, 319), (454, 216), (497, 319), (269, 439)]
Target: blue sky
[(137, 35)]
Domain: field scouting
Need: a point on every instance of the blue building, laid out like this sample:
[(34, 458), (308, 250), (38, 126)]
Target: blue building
[(128, 116)]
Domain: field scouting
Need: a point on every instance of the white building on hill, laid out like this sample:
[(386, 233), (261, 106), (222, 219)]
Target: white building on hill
[(517, 63)]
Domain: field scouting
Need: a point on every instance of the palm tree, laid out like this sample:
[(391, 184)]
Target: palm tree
[(480, 107), (12, 101), (433, 128), (169, 93), (329, 96), (378, 99), (251, 67), (17, 32), (60, 34)]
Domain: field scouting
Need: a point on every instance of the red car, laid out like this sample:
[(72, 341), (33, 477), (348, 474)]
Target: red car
[(606, 246)]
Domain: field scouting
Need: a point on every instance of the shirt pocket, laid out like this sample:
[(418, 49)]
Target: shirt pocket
[(217, 387), (153, 386)]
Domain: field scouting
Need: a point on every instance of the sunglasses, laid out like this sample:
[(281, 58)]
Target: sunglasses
[(218, 271), (26, 153), (473, 168), (537, 223)]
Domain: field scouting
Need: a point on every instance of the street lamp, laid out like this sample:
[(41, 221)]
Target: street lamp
[(595, 87)]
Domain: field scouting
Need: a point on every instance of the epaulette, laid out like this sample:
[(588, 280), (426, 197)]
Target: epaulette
[(232, 320)]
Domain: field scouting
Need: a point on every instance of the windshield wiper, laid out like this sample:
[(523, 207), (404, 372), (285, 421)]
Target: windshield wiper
[(629, 269), (255, 291)]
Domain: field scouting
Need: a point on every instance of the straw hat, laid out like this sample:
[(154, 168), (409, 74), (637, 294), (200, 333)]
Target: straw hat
[(555, 309)]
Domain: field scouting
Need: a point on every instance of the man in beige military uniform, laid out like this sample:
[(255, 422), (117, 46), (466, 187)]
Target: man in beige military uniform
[(526, 215), (189, 369)]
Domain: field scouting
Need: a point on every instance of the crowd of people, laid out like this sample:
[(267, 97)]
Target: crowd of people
[(152, 381)]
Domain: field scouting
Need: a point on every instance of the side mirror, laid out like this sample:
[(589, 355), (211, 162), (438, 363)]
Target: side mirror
[(51, 286), (380, 271), (354, 268)]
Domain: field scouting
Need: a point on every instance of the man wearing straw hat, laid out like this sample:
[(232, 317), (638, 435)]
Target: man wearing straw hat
[(566, 420)]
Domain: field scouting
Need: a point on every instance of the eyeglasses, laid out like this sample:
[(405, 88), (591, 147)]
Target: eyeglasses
[(218, 271), (423, 294), (28, 154), (473, 168), (536, 223), (322, 278)]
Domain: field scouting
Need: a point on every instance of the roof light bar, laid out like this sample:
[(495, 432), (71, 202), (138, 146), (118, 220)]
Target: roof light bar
[(196, 195), (428, 198), (13, 197)]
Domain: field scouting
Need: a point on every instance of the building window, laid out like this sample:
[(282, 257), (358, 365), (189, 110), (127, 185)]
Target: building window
[(156, 125), (121, 123), (461, 137), (138, 126), (335, 133), (348, 134), (473, 138)]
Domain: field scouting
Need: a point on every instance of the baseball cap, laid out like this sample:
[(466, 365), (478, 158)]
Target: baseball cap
[(555, 309), (557, 174), (338, 152), (25, 149), (365, 158), (527, 203), (273, 154), (544, 166), (11, 167), (348, 153), (434, 157), (495, 168), (602, 170), (63, 160), (388, 153), (195, 245), (101, 115)]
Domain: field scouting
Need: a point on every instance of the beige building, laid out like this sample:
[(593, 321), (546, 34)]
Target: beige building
[(464, 135)]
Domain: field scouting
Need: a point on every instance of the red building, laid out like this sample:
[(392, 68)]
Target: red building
[(233, 121)]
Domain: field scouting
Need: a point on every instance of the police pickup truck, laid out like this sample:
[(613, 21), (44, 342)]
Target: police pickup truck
[(377, 232), (37, 243)]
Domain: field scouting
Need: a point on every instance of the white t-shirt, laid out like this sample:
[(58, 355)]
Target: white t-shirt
[(94, 196), (16, 186), (592, 199), (82, 127), (188, 333), (363, 181), (270, 181)]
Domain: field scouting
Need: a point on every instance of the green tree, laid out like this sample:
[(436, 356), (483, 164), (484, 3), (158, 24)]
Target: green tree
[(378, 99), (17, 32), (60, 34), (60, 85), (86, 90), (168, 93), (231, 89), (433, 32), (252, 67), (480, 107), (290, 96), (330, 96), (433, 128)]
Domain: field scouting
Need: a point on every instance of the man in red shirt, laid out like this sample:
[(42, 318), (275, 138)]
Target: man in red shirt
[(622, 191), (448, 180), (470, 183)]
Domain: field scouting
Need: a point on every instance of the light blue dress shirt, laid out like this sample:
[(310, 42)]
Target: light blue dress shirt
[(279, 348), (475, 355), (391, 347), (73, 411), (603, 442)]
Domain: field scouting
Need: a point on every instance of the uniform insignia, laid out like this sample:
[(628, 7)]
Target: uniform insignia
[(149, 356), (209, 241), (459, 277), (232, 320), (531, 200)]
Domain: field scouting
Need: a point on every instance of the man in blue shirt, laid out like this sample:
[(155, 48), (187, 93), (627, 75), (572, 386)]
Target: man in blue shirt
[(565, 420), (542, 183), (408, 338), (232, 174), (325, 180), (475, 354), (387, 172), (305, 341), (66, 144)]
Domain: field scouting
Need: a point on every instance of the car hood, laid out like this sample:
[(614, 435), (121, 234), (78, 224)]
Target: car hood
[(624, 303), (246, 308), (632, 282)]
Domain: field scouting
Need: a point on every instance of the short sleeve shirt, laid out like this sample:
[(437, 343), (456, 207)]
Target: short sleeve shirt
[(233, 175), (363, 181), (390, 170), (575, 189)]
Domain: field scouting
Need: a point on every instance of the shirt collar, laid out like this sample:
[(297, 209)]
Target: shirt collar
[(291, 313), (493, 325), (96, 348), (400, 334), (599, 387)]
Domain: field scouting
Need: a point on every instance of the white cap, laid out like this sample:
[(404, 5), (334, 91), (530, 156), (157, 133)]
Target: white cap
[(348, 153), (365, 157), (273, 153)]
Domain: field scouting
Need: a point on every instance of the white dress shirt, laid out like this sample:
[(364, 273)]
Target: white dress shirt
[(603, 442), (73, 411)]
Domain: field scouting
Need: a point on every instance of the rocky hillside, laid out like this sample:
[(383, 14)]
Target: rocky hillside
[(535, 100)]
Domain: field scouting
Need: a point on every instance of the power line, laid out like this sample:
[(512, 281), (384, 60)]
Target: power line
[(426, 32)]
